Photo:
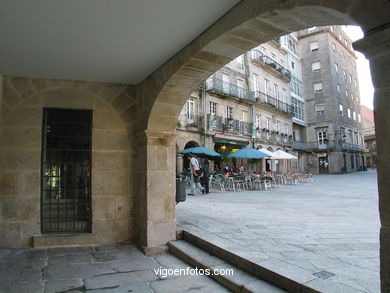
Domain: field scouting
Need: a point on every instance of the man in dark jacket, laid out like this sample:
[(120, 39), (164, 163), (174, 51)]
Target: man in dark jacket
[(205, 178)]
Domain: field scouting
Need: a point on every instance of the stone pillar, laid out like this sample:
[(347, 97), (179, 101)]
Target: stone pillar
[(156, 189), (376, 47), (179, 163)]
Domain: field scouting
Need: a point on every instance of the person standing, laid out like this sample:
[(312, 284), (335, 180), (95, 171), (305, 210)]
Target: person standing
[(205, 178), (195, 174)]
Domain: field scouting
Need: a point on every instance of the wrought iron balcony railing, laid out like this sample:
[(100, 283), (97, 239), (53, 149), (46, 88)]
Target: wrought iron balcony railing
[(273, 102), (270, 63), (327, 145), (238, 127), (190, 122), (214, 122), (223, 88)]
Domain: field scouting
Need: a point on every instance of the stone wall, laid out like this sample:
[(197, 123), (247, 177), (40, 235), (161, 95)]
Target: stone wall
[(20, 156)]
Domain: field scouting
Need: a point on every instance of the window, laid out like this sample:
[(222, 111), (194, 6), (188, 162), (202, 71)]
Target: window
[(316, 66), (258, 121), (359, 118), (336, 66), (213, 108), (292, 65), (276, 91), (277, 125), (313, 46), (355, 83), (352, 97), (240, 61), (320, 109), (66, 171), (264, 50), (354, 115), (190, 110), (318, 87), (241, 83), (292, 45), (256, 82), (245, 115), (266, 89), (349, 113), (229, 112), (334, 46), (341, 110), (322, 137), (338, 88), (298, 109), (350, 78), (342, 52), (297, 134), (345, 74), (346, 92), (273, 56)]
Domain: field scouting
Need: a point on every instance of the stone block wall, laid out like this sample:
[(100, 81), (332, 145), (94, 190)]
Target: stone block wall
[(113, 199)]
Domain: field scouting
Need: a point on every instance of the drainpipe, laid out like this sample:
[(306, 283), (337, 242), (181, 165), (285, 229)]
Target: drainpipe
[(248, 79), (202, 99)]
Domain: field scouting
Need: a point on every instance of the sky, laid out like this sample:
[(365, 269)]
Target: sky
[(363, 68)]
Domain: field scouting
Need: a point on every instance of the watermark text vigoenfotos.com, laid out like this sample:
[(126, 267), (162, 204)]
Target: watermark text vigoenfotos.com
[(166, 272)]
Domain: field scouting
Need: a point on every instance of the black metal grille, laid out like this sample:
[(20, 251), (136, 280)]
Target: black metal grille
[(66, 171)]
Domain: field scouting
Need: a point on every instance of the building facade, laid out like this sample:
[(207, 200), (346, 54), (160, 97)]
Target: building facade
[(332, 101), (246, 103), (368, 129)]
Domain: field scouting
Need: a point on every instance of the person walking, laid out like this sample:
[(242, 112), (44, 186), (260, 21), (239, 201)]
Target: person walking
[(195, 175), (205, 178)]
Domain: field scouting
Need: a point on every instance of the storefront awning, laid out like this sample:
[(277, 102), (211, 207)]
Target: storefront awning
[(230, 141)]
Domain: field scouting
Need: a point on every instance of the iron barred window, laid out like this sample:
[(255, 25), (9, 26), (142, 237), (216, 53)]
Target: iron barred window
[(66, 171)]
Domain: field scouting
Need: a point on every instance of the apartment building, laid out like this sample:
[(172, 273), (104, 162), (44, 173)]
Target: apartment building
[(332, 101), (245, 103)]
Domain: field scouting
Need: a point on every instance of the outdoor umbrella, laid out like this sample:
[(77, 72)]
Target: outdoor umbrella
[(201, 152), (283, 155), (267, 152), (248, 153)]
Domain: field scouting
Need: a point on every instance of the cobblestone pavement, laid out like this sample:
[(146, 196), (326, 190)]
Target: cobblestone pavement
[(326, 229), (102, 269)]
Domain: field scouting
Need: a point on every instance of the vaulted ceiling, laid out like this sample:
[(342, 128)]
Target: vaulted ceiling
[(120, 41)]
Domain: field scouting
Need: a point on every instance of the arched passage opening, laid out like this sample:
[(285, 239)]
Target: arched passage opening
[(244, 27)]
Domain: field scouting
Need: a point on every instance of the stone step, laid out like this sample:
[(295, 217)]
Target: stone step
[(246, 265), (238, 281)]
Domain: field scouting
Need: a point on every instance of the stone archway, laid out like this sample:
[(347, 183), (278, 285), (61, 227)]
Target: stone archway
[(248, 24)]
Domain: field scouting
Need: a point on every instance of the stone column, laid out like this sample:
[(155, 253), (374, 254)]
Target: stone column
[(179, 163), (156, 190), (376, 47)]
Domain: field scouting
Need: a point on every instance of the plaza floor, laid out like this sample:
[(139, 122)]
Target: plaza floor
[(324, 230), (101, 269)]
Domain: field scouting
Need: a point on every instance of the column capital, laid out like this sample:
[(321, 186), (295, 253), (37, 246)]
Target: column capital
[(375, 42)]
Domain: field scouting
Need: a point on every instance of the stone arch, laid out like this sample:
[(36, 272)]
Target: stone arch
[(18, 90), (249, 23), (270, 149), (259, 147), (191, 144)]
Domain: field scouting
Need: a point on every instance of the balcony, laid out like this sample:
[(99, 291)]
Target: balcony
[(300, 146), (190, 122), (265, 135), (225, 89), (352, 147), (261, 97), (214, 122), (238, 127), (269, 63), (329, 145)]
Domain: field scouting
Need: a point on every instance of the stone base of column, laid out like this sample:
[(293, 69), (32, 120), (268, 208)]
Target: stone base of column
[(385, 259), (149, 251)]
